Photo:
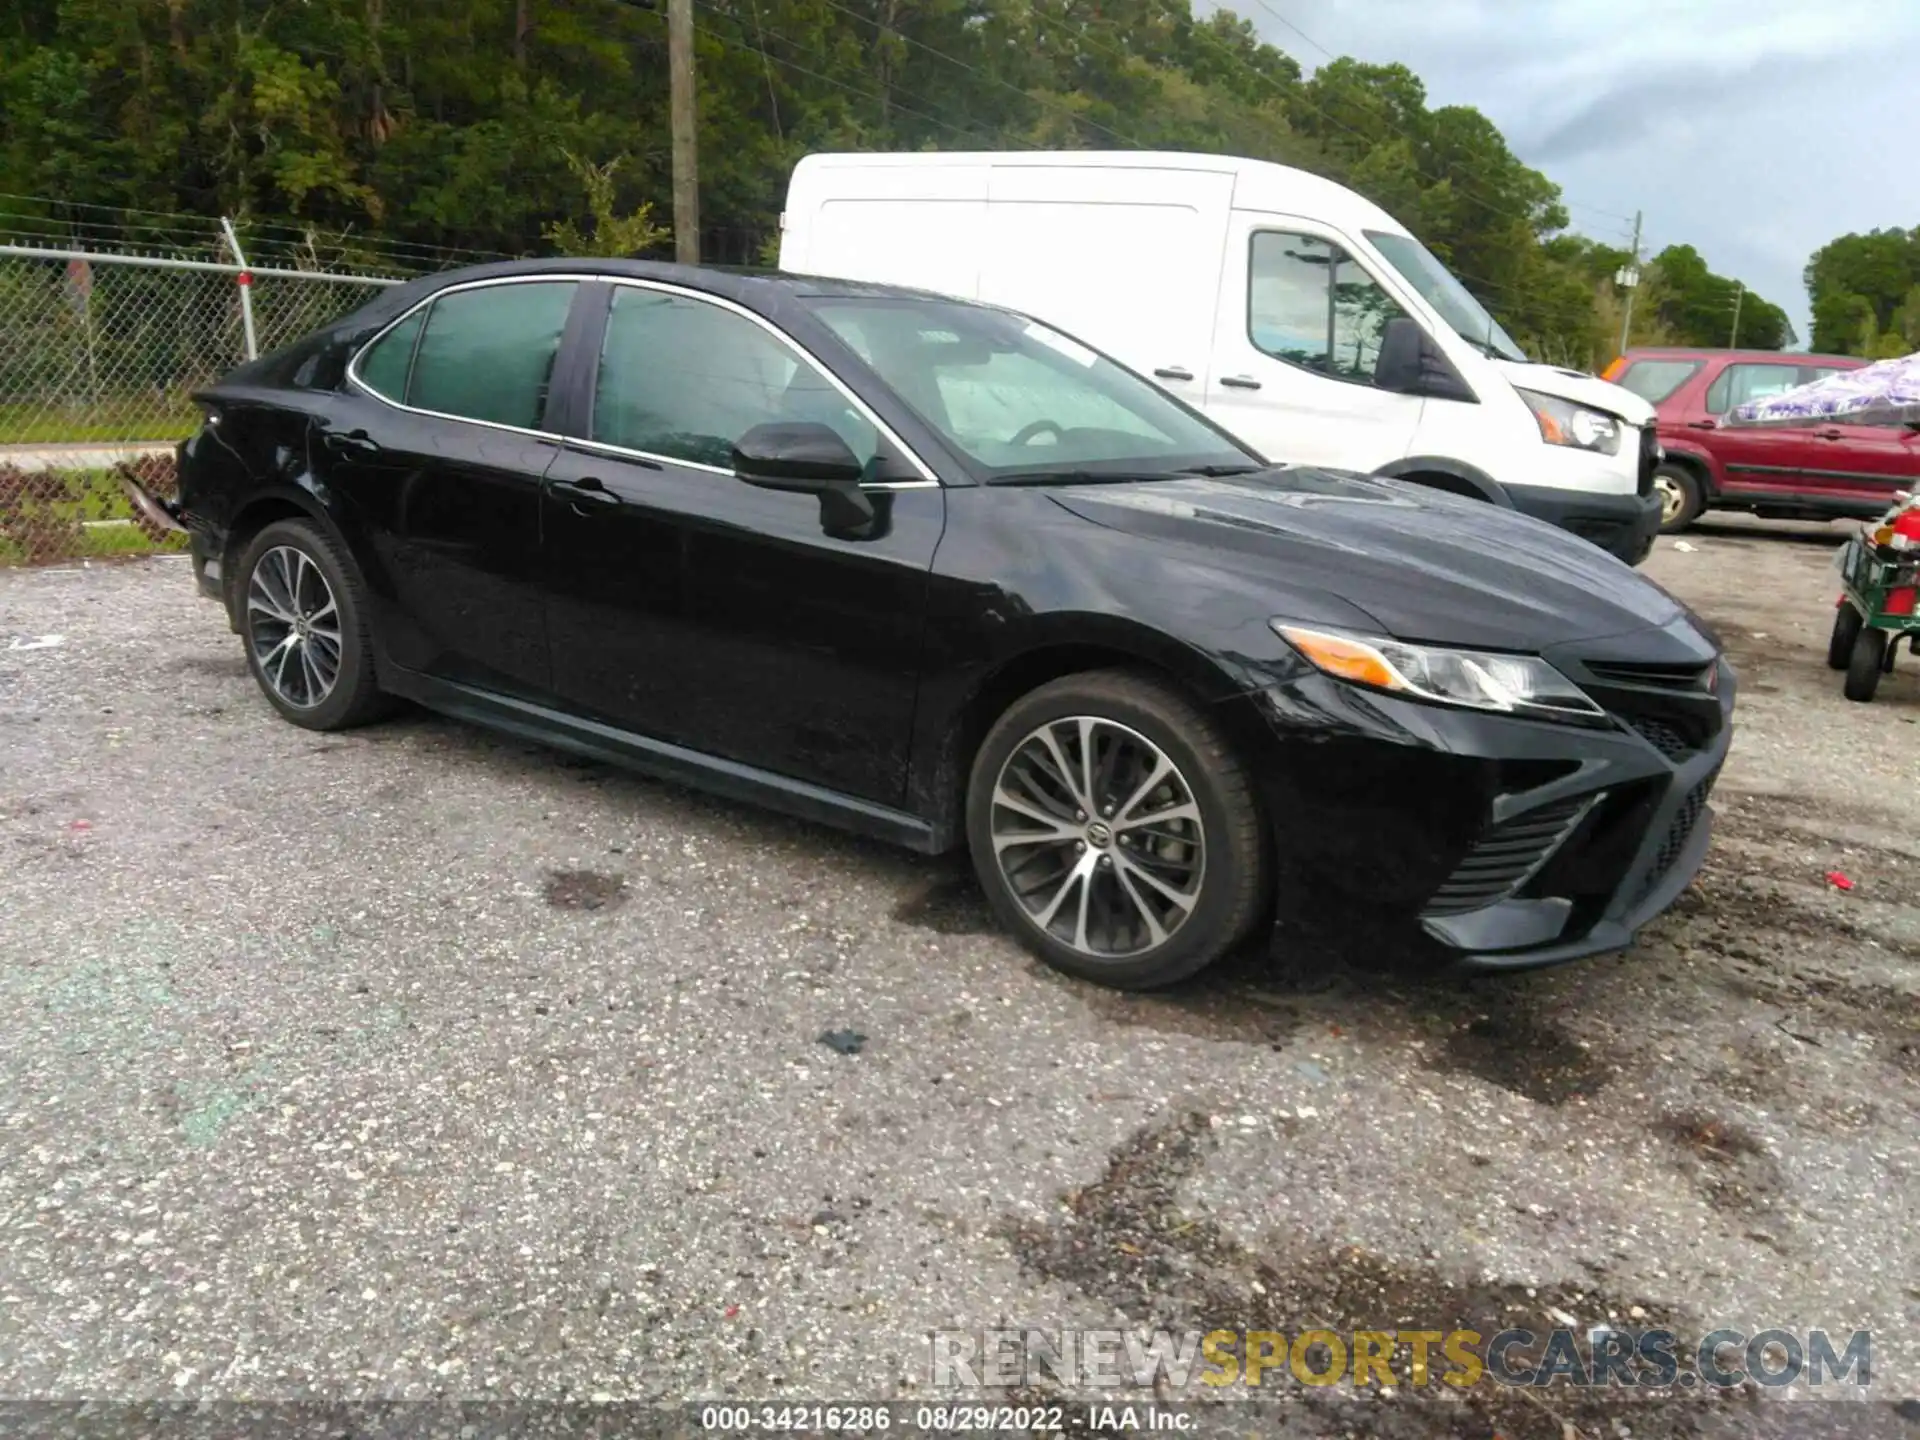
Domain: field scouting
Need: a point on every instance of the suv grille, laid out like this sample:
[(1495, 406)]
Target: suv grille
[(1678, 833), (1507, 856)]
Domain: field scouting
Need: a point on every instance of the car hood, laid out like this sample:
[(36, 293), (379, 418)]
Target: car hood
[(1426, 565), (1582, 389)]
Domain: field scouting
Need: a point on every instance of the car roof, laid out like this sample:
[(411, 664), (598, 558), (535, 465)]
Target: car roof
[(749, 285), (1702, 352)]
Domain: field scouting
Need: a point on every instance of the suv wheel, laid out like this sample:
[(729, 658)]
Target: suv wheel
[(1116, 831), (303, 617), (1681, 500)]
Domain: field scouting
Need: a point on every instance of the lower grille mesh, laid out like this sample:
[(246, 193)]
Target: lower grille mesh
[(1674, 844), (1503, 859)]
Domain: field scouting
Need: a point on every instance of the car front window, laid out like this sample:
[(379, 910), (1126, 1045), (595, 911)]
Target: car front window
[(1016, 396), (1422, 269)]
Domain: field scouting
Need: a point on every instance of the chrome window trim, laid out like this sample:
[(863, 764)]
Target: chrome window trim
[(353, 365), (927, 481)]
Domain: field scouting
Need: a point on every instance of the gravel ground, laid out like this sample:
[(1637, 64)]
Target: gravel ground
[(420, 1062)]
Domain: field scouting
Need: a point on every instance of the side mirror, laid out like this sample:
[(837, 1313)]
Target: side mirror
[(1410, 363), (803, 456)]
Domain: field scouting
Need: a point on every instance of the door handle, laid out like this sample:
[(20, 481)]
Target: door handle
[(1832, 432), (585, 494), (349, 442), (1708, 424), (1174, 372), (1240, 382)]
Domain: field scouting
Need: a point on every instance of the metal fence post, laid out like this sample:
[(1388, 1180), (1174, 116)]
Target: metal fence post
[(246, 289)]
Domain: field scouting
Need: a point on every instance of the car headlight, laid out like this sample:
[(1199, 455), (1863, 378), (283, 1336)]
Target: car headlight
[(1477, 679), (1564, 423)]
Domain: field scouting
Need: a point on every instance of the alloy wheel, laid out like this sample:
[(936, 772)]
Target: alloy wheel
[(1098, 835), (1673, 499), (293, 626)]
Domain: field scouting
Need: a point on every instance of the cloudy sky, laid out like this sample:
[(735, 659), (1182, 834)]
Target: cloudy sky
[(1755, 130)]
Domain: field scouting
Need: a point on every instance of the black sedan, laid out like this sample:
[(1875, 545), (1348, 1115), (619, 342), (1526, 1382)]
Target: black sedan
[(941, 574)]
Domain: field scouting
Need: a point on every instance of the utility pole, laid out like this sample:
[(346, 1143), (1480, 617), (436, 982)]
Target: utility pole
[(686, 161), (1628, 279), (1739, 294)]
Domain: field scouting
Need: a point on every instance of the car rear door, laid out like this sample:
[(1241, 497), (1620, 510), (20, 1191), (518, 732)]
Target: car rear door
[(1757, 462), (439, 446), (691, 607)]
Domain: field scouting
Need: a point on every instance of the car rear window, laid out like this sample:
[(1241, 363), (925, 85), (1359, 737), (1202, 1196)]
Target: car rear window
[(488, 353), (1654, 380)]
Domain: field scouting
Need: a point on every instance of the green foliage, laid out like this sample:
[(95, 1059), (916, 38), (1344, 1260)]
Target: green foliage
[(520, 125), (612, 233), (1866, 294)]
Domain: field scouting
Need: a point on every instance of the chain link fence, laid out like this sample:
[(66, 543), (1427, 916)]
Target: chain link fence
[(107, 329)]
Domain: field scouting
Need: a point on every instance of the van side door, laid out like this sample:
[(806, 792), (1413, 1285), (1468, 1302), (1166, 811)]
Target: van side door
[(1296, 337)]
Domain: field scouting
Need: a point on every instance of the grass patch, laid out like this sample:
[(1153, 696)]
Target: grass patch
[(115, 419), (76, 514)]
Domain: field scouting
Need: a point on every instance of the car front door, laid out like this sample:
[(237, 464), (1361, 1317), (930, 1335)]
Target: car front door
[(439, 446), (1758, 462), (1297, 334), (693, 607)]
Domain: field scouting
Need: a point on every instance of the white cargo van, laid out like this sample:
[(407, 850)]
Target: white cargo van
[(1292, 311)]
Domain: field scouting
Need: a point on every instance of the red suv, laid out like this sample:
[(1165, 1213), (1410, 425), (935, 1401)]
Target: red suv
[(1818, 471)]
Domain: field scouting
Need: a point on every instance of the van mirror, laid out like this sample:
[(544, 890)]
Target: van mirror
[(1410, 363)]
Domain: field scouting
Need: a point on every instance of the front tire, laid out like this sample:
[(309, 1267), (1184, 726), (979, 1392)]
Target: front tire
[(1681, 498), (303, 618), (1115, 830), (1846, 629), (1863, 671)]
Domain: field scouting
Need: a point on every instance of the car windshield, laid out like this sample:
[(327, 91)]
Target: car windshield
[(1023, 401), (1421, 269)]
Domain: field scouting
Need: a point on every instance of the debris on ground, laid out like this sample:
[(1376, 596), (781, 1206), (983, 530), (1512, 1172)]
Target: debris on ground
[(1839, 880), (844, 1042)]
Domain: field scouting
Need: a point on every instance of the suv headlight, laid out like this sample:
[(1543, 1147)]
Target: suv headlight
[(1476, 679), (1562, 422)]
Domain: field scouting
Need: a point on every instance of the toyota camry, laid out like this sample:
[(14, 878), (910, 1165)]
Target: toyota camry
[(944, 575)]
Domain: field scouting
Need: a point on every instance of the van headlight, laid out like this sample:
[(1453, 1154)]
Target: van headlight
[(1477, 679), (1564, 423)]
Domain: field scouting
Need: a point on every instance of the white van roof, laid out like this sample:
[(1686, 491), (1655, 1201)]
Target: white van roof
[(1257, 184)]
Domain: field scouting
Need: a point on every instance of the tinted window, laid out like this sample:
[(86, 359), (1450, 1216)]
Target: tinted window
[(683, 378), (1309, 303), (383, 368), (487, 354), (1737, 384), (1015, 395), (1654, 380)]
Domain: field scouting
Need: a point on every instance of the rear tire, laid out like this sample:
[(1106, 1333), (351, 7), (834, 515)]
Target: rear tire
[(1863, 671), (1846, 627), (303, 617), (1105, 873), (1681, 498)]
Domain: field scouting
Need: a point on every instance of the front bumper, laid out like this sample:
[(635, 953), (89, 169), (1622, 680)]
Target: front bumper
[(1622, 525), (1509, 844)]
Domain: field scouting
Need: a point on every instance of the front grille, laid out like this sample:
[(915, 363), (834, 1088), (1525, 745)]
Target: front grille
[(1674, 843), (1664, 677), (1669, 739), (1649, 458), (1507, 856)]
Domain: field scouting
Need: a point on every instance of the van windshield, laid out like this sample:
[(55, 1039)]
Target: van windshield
[(1422, 269), (1023, 401)]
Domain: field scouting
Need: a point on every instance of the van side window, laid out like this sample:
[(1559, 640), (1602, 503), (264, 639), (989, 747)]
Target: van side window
[(1310, 304)]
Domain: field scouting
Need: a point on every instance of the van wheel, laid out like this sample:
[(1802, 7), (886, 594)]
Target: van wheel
[(303, 618), (1115, 830), (1863, 671), (1846, 626), (1681, 500)]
